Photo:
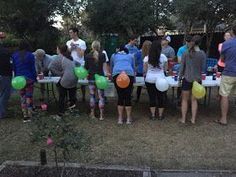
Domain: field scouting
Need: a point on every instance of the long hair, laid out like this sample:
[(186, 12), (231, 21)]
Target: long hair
[(96, 47), (154, 54), (196, 40), (64, 51), (145, 48)]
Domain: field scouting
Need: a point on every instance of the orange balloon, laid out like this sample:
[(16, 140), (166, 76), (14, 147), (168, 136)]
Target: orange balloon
[(123, 80)]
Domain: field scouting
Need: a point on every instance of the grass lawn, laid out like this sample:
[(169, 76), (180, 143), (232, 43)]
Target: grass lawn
[(158, 144)]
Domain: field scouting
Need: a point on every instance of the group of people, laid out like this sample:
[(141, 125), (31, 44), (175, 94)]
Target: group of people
[(152, 62)]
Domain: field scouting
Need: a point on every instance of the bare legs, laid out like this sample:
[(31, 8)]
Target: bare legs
[(184, 107)]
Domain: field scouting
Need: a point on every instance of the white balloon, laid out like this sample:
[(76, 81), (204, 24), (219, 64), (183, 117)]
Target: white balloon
[(162, 84)]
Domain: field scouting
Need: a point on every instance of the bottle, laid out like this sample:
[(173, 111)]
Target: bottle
[(214, 76), (49, 74)]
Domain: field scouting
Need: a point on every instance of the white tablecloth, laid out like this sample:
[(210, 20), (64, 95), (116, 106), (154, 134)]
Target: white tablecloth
[(140, 81)]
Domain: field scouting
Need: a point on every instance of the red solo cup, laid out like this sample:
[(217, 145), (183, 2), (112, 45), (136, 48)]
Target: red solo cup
[(218, 74), (40, 76), (174, 73), (203, 76), (44, 107)]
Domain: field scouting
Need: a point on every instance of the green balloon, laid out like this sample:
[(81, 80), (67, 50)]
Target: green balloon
[(101, 82), (81, 72), (18, 82)]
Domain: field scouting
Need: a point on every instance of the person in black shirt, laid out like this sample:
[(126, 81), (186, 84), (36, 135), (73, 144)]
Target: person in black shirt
[(5, 79), (94, 63)]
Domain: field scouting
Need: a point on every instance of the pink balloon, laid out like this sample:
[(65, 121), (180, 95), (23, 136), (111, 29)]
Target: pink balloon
[(49, 141)]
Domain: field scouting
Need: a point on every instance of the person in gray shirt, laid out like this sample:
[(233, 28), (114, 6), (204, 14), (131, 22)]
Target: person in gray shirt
[(167, 50), (64, 67), (192, 64), (42, 62)]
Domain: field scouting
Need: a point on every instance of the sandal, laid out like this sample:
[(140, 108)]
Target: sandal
[(220, 123)]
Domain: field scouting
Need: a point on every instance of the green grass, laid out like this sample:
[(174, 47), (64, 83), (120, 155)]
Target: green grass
[(157, 144)]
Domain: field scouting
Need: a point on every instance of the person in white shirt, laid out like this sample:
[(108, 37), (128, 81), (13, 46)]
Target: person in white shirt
[(154, 66), (77, 48)]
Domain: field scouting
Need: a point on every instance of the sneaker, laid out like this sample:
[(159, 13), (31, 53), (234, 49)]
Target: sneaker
[(129, 121), (120, 122), (26, 119), (72, 106), (92, 116), (161, 117), (152, 117)]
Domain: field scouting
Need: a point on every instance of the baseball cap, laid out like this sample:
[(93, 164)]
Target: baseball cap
[(167, 38)]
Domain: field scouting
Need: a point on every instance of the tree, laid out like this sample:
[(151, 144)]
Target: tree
[(126, 17), (211, 13), (32, 20)]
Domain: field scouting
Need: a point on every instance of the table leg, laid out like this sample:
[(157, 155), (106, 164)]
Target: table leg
[(205, 98), (209, 96), (48, 94)]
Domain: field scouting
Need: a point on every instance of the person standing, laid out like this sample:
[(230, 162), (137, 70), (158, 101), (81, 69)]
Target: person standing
[(123, 62), (5, 78), (140, 55), (131, 46), (154, 66), (228, 80), (168, 51), (77, 48), (192, 63), (64, 67), (95, 63), (24, 65), (42, 62), (220, 64), (176, 67)]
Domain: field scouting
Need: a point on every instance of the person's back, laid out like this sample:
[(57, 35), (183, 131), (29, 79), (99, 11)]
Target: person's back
[(95, 67), (193, 65), (64, 68), (122, 62), (229, 53), (24, 64)]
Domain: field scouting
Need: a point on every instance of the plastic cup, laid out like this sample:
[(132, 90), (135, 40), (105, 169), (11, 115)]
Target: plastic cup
[(40, 76), (218, 74), (203, 76), (174, 73), (44, 107)]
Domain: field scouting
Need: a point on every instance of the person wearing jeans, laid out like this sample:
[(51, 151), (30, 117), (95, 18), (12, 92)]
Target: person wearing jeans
[(123, 62), (154, 66), (64, 67)]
